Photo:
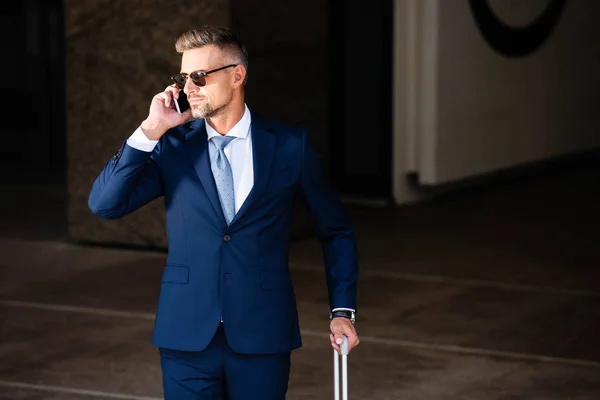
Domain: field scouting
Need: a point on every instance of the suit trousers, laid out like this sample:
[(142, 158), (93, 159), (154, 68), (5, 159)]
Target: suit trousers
[(219, 373)]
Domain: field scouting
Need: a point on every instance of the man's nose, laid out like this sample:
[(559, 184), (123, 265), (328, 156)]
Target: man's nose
[(190, 86)]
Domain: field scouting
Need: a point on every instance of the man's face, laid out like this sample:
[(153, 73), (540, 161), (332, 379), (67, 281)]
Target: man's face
[(213, 98)]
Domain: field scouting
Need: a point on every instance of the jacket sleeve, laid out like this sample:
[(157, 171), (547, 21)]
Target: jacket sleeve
[(129, 180), (333, 229)]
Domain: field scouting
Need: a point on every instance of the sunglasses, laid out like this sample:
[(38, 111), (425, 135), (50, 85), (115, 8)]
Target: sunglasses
[(198, 77)]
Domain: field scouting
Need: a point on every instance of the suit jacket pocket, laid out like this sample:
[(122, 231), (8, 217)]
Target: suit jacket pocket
[(273, 279), (176, 274)]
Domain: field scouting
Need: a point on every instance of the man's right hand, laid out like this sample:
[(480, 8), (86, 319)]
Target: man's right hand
[(163, 115)]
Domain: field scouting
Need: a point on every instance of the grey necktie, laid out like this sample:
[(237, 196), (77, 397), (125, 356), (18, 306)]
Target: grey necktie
[(221, 170)]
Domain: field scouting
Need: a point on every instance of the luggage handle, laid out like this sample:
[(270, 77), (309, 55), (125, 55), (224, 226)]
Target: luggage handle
[(336, 370)]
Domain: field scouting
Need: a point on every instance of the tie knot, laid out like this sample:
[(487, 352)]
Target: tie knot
[(222, 141)]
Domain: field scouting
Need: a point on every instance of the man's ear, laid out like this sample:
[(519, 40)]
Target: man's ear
[(239, 74)]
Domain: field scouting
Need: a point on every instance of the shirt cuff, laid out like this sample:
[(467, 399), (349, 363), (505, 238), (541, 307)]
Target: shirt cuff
[(141, 142), (341, 308)]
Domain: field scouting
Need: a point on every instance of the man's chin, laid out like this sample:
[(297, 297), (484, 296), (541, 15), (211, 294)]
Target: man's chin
[(198, 112)]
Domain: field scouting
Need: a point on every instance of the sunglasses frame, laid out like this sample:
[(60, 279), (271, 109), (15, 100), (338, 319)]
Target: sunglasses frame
[(201, 79)]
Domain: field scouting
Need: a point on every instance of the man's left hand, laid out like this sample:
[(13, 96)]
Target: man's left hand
[(341, 327)]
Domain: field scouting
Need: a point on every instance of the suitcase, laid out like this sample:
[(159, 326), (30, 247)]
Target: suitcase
[(336, 371)]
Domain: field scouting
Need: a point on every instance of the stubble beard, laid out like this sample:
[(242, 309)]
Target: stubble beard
[(207, 110)]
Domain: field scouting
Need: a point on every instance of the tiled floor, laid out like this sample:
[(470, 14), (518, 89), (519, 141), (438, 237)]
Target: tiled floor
[(488, 295)]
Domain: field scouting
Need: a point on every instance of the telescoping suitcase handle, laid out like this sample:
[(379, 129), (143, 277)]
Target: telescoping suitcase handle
[(336, 371)]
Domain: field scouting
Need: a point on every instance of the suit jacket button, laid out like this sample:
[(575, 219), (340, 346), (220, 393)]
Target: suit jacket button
[(227, 238)]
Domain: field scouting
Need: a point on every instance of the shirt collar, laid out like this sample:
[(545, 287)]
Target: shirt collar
[(240, 130)]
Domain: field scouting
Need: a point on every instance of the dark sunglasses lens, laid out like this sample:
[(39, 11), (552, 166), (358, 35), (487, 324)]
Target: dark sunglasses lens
[(179, 80), (198, 78)]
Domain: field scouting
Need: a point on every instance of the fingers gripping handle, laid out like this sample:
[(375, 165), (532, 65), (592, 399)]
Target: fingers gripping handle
[(336, 371), (344, 347)]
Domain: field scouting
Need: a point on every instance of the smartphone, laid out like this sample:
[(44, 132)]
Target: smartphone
[(182, 104)]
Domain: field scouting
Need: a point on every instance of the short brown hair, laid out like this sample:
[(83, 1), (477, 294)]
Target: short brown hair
[(224, 38)]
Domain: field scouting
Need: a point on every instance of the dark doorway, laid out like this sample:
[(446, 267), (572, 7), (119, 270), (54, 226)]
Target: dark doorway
[(360, 131), (33, 132)]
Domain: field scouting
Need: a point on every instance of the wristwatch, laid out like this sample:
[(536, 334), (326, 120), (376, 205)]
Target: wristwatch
[(351, 315)]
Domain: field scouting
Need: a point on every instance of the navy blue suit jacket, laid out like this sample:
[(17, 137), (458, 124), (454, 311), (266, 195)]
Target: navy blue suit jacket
[(238, 272)]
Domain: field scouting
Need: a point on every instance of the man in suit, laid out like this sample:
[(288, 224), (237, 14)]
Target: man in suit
[(227, 320)]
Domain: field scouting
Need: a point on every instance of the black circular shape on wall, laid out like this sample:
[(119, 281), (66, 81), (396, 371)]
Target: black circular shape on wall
[(515, 41)]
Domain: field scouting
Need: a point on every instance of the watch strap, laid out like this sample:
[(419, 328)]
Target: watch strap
[(351, 315)]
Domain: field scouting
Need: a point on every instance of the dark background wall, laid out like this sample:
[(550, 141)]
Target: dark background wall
[(83, 74), (288, 75), (119, 55)]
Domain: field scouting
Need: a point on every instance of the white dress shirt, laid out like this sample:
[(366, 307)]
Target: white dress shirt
[(238, 152)]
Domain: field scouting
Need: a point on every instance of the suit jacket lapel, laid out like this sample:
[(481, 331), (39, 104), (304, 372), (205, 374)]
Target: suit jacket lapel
[(263, 152), (197, 147)]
